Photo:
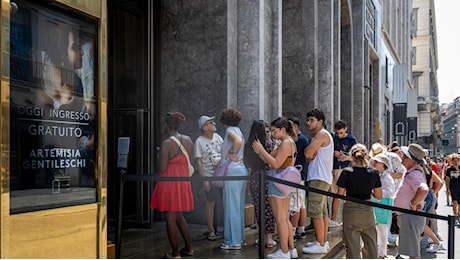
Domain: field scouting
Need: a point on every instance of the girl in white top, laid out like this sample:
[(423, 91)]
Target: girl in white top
[(381, 163)]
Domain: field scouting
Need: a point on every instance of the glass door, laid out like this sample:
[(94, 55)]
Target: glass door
[(131, 106)]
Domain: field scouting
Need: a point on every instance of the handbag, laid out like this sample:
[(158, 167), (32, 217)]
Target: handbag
[(383, 216), (191, 170), (221, 171), (291, 174)]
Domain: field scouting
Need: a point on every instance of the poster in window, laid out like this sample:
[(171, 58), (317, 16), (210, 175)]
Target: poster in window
[(53, 107)]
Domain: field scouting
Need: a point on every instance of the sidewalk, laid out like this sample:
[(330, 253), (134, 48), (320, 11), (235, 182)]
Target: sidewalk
[(153, 243), (443, 210)]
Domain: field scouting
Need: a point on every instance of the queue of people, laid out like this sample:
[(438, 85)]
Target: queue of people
[(402, 176)]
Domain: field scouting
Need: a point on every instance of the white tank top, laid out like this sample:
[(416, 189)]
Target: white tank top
[(320, 168)]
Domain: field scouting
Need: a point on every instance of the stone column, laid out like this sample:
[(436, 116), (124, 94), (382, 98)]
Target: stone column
[(324, 53), (357, 90), (336, 61), (254, 59), (346, 63), (308, 57)]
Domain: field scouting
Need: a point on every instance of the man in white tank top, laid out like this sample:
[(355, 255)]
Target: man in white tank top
[(320, 155)]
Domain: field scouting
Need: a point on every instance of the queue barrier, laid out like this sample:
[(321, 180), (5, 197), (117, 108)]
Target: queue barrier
[(262, 178)]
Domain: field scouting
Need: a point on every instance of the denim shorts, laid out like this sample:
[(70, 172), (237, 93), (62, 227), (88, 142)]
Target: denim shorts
[(272, 190)]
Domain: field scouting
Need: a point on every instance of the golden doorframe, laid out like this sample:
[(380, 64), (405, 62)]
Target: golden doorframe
[(68, 232)]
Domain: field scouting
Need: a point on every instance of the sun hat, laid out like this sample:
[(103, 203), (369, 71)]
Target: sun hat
[(380, 158), (376, 148), (203, 120), (414, 152)]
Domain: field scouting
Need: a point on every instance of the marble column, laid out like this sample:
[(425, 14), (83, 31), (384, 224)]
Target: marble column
[(359, 83), (254, 59), (308, 57), (346, 64)]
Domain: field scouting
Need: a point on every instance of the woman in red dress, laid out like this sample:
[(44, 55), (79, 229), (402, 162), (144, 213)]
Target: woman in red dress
[(174, 197)]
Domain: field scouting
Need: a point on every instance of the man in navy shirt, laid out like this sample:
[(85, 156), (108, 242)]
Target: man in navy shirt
[(299, 219), (343, 142)]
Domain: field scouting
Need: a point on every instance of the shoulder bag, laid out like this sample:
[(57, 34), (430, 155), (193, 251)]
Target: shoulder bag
[(291, 174), (221, 170), (191, 170)]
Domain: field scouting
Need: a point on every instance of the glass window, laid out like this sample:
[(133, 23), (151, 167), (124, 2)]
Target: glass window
[(53, 107)]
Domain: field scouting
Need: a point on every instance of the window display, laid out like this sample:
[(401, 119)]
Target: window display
[(53, 107)]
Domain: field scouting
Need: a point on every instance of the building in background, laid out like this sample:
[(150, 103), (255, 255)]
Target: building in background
[(450, 141), (396, 83), (424, 67)]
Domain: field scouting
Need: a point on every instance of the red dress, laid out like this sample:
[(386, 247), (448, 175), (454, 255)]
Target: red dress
[(173, 195)]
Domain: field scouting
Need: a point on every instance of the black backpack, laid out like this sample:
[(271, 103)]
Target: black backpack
[(251, 159)]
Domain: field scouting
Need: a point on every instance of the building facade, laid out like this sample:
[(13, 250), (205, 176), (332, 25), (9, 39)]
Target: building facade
[(266, 58), (425, 66), (396, 82), (450, 141)]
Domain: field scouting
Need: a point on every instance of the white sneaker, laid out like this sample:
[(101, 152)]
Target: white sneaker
[(430, 241), (315, 249), (278, 254), (294, 254), (333, 223), (316, 242), (435, 248)]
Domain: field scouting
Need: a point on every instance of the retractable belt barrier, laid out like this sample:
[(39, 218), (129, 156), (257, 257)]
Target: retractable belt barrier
[(263, 177)]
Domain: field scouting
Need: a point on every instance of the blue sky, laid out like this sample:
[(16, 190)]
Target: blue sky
[(448, 40)]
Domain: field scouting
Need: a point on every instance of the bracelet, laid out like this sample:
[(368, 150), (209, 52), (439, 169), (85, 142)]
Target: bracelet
[(231, 152)]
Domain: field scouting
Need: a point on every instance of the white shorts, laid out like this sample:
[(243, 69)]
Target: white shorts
[(297, 199)]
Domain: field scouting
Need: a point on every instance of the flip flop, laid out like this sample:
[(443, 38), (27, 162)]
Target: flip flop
[(185, 253), (211, 236), (169, 255)]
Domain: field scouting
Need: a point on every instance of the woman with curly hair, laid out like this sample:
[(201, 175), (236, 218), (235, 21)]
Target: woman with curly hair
[(174, 197), (361, 182), (234, 191)]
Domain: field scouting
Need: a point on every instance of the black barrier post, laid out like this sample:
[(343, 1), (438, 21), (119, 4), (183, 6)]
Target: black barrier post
[(120, 214), (262, 215), (451, 237)]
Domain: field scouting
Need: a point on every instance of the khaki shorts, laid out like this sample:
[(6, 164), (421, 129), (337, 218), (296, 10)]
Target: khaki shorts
[(317, 203), (297, 199)]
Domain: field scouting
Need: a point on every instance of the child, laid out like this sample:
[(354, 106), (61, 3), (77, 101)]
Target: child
[(383, 216)]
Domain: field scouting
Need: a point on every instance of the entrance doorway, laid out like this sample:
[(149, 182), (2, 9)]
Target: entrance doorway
[(132, 104)]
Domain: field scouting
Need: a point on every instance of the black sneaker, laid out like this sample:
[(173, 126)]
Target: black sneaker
[(309, 228), (300, 235)]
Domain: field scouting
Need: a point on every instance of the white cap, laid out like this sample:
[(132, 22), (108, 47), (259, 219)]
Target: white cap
[(203, 120)]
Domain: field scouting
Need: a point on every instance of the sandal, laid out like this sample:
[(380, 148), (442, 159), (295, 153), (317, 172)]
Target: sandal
[(186, 253), (169, 255), (271, 245), (212, 236)]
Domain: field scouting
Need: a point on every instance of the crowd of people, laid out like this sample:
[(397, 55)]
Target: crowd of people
[(400, 176)]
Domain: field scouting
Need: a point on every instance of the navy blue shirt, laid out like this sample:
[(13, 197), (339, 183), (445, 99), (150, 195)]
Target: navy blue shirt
[(343, 145), (301, 144)]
